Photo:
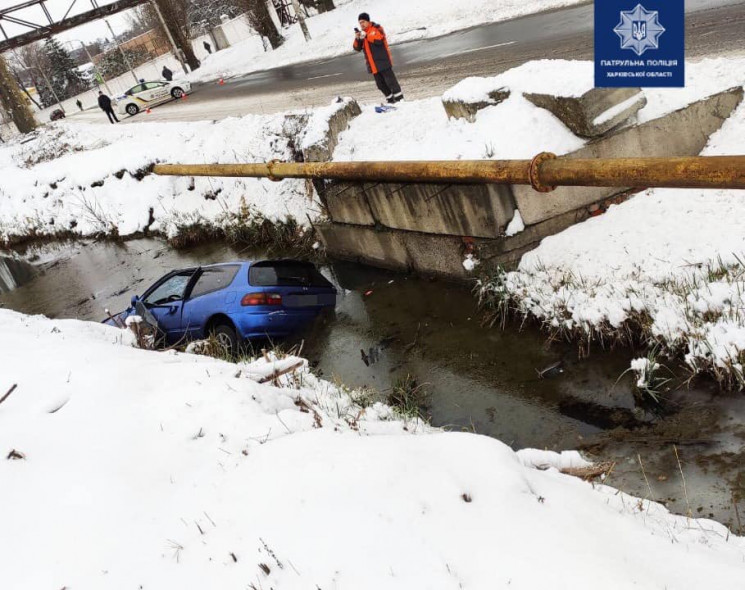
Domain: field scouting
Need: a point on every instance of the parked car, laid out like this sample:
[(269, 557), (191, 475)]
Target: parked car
[(234, 301), (148, 94), (56, 115)]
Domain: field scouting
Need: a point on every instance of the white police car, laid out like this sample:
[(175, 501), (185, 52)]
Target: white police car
[(148, 94)]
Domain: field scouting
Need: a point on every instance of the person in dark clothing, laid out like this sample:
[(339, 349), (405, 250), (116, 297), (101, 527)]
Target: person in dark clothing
[(373, 42), (207, 46), (80, 104), (167, 74), (105, 103)]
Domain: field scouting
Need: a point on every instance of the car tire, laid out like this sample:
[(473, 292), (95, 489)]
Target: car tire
[(177, 92), (227, 337), (132, 109)]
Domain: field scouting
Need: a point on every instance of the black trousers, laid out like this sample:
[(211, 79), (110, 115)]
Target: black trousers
[(388, 84), (110, 113)]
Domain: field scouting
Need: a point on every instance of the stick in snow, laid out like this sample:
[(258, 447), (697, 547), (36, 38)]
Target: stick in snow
[(7, 395), (278, 374)]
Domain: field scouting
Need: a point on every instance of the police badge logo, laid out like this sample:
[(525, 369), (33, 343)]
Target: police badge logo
[(639, 30)]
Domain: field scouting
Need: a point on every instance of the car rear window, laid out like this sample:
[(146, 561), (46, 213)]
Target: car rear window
[(213, 279), (286, 274)]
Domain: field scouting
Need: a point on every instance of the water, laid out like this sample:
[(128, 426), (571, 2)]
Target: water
[(481, 379)]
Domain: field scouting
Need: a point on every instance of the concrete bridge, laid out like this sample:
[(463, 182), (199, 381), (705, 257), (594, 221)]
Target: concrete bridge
[(431, 228)]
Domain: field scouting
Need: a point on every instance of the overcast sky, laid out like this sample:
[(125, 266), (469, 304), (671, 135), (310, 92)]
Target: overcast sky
[(57, 9)]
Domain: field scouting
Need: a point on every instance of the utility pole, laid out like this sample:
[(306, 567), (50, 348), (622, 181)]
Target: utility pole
[(119, 47), (301, 19), (176, 51)]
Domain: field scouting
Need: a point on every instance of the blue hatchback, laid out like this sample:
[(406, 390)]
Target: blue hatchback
[(235, 301)]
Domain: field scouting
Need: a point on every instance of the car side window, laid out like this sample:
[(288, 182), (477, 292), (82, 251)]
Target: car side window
[(169, 291), (152, 85), (214, 279)]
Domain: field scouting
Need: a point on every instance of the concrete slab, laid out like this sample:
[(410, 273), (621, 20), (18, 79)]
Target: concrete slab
[(457, 109), (323, 150), (460, 210), (682, 133), (383, 249), (346, 202), (594, 113)]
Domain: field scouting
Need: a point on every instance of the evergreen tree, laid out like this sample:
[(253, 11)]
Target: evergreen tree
[(112, 64), (63, 74)]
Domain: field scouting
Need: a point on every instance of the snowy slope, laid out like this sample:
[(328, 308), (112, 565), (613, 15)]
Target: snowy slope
[(165, 470), (670, 260)]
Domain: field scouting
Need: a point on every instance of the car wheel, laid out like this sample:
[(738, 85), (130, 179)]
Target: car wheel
[(177, 92), (227, 338), (132, 109)]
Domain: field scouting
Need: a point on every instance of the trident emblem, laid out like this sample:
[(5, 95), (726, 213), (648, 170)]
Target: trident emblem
[(639, 30)]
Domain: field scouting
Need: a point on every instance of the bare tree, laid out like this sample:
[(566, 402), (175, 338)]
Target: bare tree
[(261, 20), (13, 102), (175, 15)]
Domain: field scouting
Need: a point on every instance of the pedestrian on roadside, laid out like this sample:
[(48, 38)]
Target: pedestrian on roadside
[(80, 104), (167, 74), (105, 103), (208, 47), (374, 43)]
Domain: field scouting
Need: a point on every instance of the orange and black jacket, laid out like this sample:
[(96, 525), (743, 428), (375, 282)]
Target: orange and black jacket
[(375, 46)]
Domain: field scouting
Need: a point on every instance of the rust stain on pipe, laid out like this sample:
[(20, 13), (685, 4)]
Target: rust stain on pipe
[(542, 172)]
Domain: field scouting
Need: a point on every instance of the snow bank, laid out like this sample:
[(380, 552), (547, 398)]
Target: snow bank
[(332, 32), (92, 178), (513, 129), (668, 260), (173, 470)]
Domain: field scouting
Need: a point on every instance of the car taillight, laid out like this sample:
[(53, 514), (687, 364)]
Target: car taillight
[(261, 299)]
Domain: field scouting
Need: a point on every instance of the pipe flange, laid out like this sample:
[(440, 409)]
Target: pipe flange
[(270, 170), (534, 169)]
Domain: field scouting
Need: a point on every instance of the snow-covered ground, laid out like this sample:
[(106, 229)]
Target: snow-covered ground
[(128, 468), (88, 178), (333, 32)]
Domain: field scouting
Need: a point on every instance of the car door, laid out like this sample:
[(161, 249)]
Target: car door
[(135, 96), (210, 295), (165, 301), (157, 92)]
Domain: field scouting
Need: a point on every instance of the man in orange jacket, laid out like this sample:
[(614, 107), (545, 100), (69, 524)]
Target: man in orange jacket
[(372, 40)]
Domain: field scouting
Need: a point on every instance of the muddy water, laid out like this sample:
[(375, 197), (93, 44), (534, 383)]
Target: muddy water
[(483, 380)]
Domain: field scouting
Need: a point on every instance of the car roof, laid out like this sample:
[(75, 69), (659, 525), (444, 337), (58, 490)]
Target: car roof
[(242, 263)]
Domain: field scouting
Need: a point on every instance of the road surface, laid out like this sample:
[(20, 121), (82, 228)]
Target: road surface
[(427, 68)]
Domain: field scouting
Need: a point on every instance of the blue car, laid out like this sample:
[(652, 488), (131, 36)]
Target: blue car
[(234, 301)]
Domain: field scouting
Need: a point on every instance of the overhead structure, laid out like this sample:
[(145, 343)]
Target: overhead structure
[(43, 24)]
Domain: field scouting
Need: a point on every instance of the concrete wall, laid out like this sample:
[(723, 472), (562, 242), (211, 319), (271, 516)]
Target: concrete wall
[(462, 210), (429, 229), (682, 133)]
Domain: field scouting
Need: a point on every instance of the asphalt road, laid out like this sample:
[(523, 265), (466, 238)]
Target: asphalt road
[(428, 67)]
